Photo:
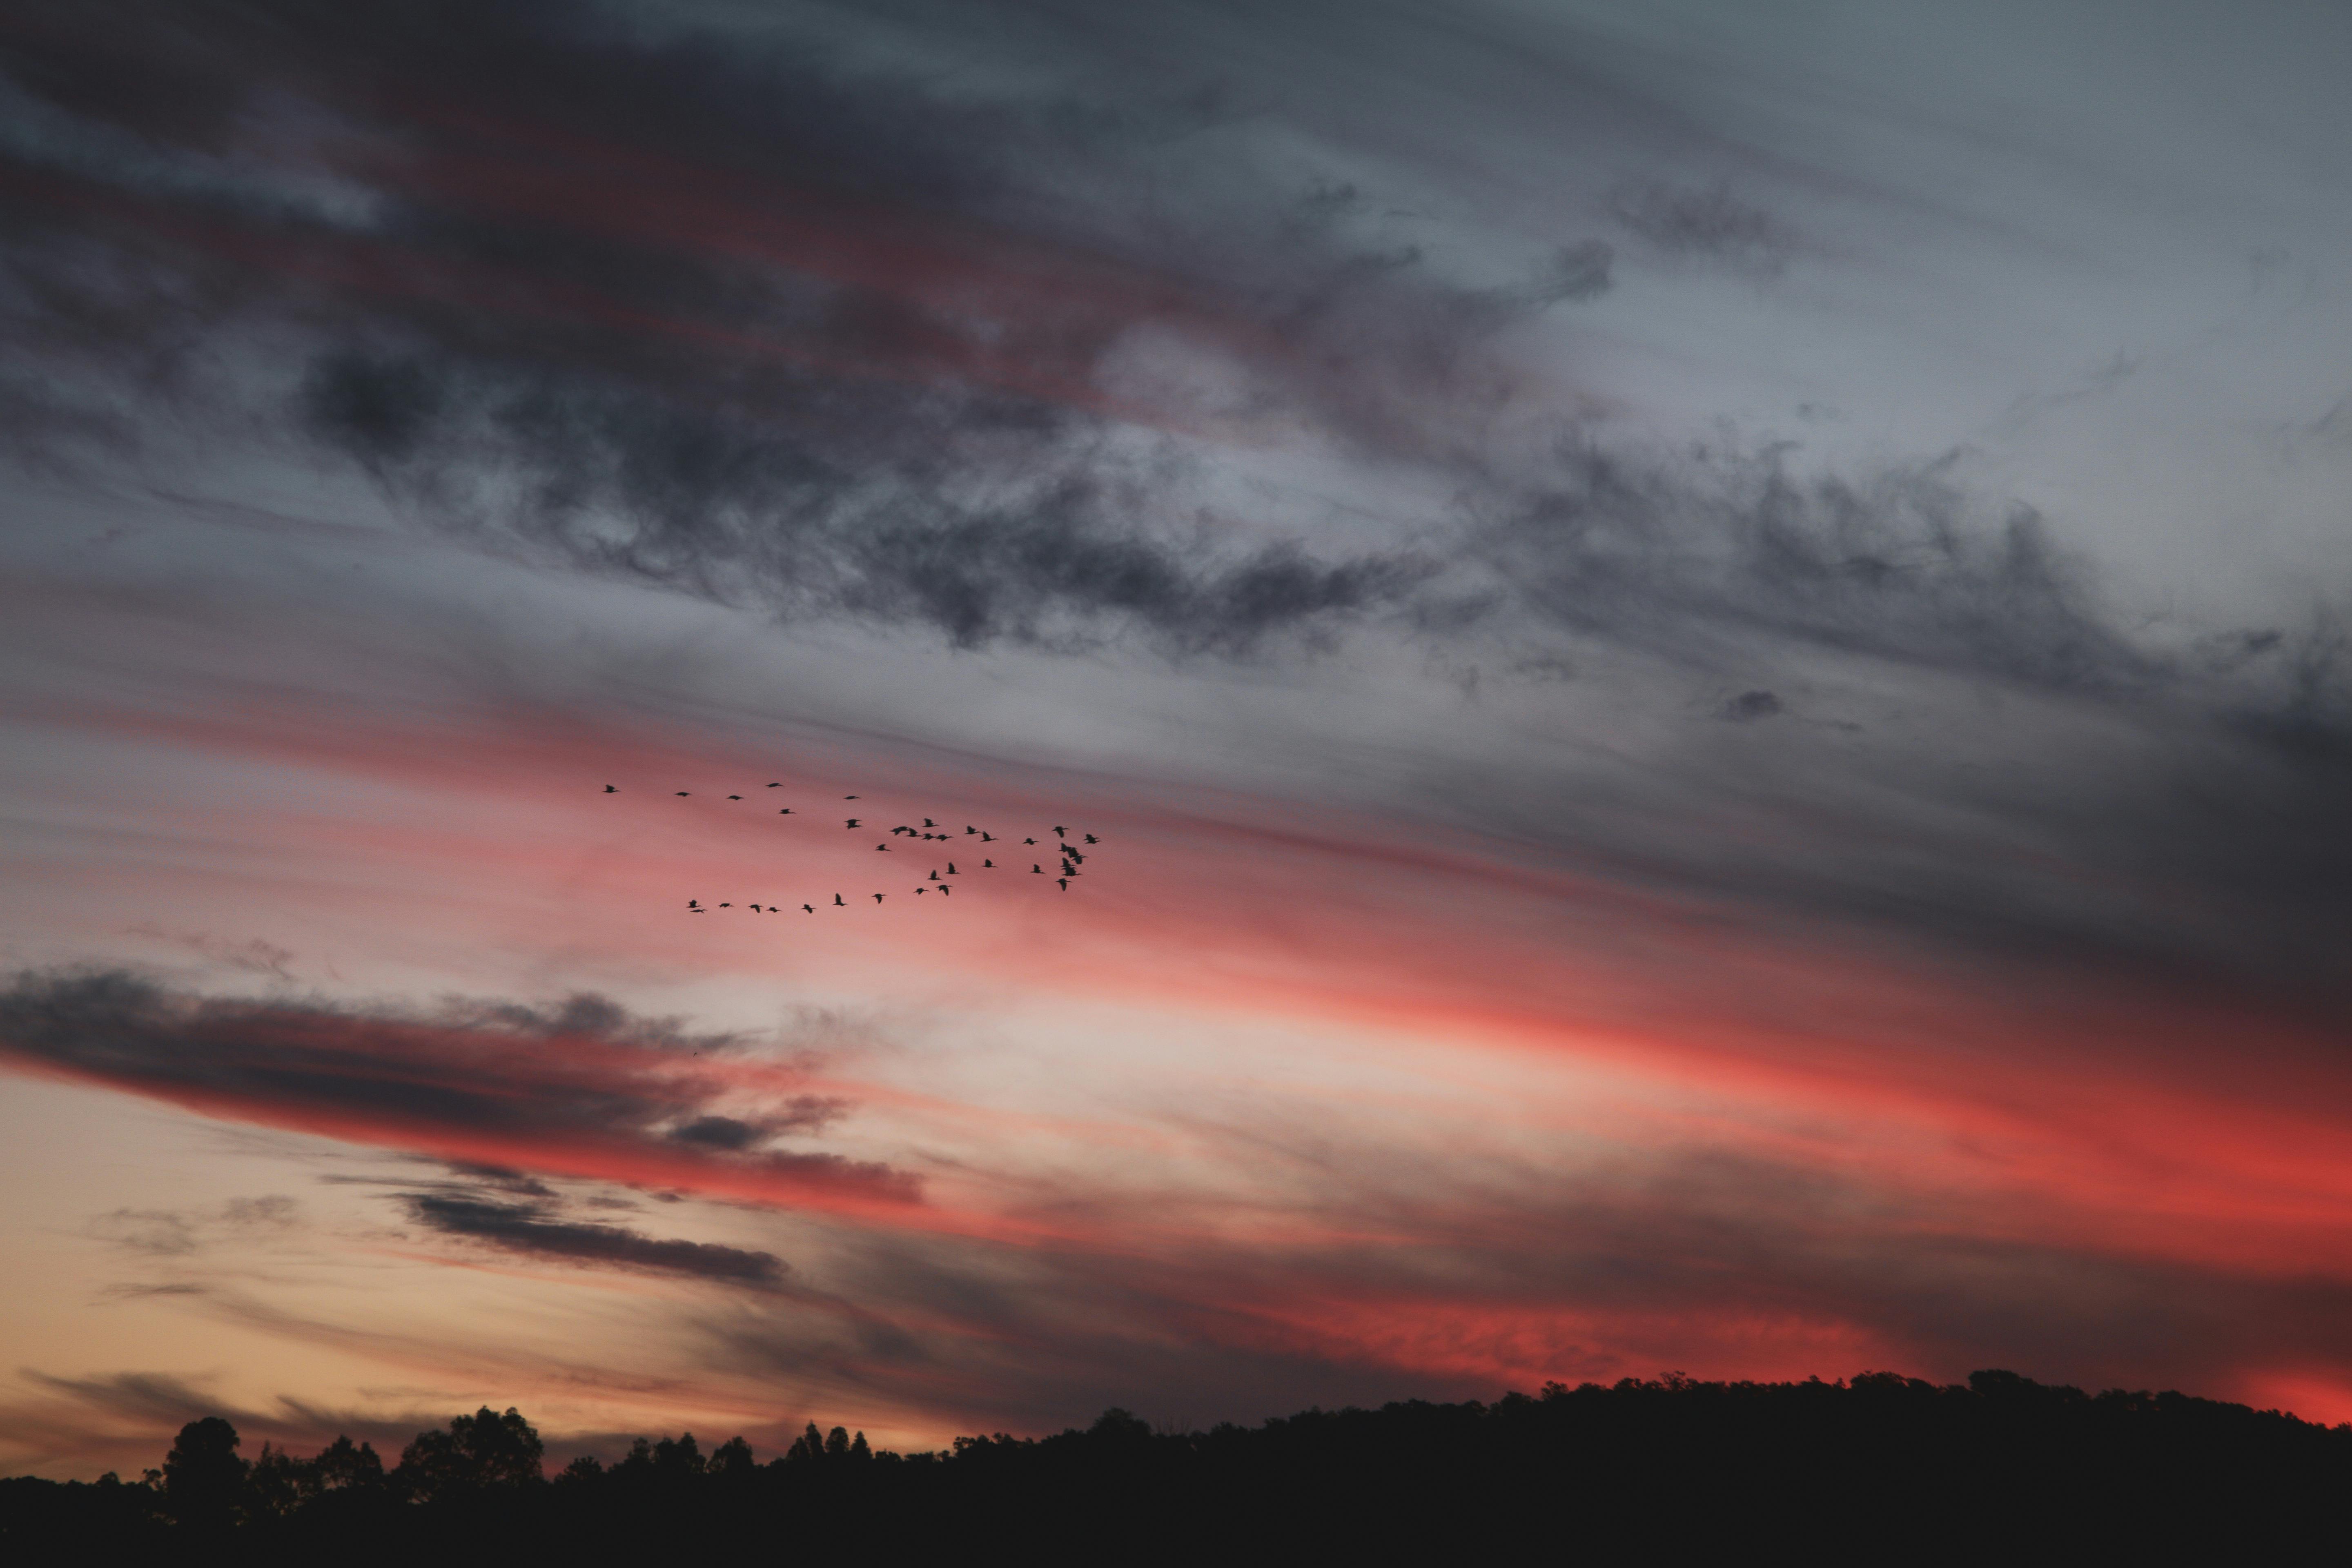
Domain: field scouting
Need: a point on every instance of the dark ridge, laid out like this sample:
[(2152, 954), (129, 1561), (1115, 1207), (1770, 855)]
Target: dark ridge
[(1879, 1468)]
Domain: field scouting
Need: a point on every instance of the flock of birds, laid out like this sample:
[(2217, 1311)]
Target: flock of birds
[(1070, 855)]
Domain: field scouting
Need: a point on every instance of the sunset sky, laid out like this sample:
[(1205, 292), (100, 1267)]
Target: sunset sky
[(1709, 646)]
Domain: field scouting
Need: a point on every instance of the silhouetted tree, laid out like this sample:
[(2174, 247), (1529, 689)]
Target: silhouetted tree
[(204, 1478), (477, 1452), (342, 1466)]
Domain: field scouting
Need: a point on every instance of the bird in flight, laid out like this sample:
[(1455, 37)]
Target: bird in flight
[(694, 903), (988, 838), (988, 865), (775, 786), (837, 901), (849, 797), (883, 847), (810, 908), (734, 797), (1065, 882), (1036, 870), (1061, 832), (1092, 839), (878, 898), (1028, 841), (610, 790), (686, 792), (945, 889), (853, 822), (935, 875), (786, 811)]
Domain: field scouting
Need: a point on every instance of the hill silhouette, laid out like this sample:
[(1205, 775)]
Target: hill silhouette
[(1880, 1467)]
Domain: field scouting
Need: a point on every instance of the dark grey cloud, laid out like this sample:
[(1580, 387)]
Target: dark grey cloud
[(1707, 223), (552, 1087), (764, 318), (531, 1229)]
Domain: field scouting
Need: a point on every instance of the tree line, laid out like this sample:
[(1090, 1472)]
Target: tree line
[(1876, 1467)]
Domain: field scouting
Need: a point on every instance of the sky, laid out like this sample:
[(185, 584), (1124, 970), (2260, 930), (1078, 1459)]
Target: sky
[(1705, 648)]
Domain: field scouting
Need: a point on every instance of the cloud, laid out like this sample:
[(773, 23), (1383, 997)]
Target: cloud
[(530, 1229), (581, 1088), (1749, 706), (1706, 224)]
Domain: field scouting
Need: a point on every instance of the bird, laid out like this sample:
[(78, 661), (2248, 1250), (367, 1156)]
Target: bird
[(969, 829), (988, 838), (1065, 882), (1092, 839), (775, 786), (725, 906), (786, 811), (988, 865), (1028, 841), (1060, 832), (755, 908), (878, 898), (928, 822), (853, 822), (849, 797), (610, 790), (836, 901), (810, 908), (1036, 870), (945, 889), (920, 891), (734, 797), (935, 875), (694, 903), (883, 847), (685, 792)]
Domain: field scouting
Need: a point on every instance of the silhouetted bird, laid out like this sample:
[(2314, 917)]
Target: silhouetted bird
[(685, 792), (883, 847), (786, 811), (694, 903), (1092, 839), (836, 901), (725, 906), (810, 908), (755, 908), (928, 822), (734, 797), (853, 822), (1065, 882), (935, 875), (945, 889), (775, 786), (610, 790), (1036, 870), (988, 838), (1061, 832), (1028, 841), (988, 865), (849, 797), (969, 829), (952, 870), (878, 898)]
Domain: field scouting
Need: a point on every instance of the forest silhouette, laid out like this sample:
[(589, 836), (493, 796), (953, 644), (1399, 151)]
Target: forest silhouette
[(1880, 1467)]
